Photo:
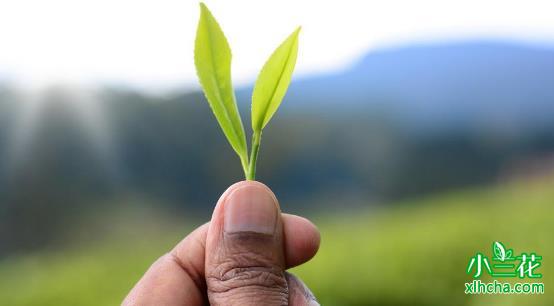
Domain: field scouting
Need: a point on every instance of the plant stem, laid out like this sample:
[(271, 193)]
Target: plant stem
[(256, 138)]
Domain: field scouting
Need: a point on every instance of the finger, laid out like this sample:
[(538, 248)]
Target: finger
[(301, 240), (174, 279), (245, 258), (299, 294)]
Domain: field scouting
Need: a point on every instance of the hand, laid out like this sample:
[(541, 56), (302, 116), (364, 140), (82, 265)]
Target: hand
[(238, 258)]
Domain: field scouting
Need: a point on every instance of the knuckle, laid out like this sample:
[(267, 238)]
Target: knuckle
[(237, 280), (245, 277)]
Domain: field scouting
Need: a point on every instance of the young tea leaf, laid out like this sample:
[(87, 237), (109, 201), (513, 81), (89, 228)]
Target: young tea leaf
[(273, 81), (212, 57)]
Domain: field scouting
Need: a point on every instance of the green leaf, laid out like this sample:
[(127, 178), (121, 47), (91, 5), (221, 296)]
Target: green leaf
[(499, 251), (212, 57), (273, 81)]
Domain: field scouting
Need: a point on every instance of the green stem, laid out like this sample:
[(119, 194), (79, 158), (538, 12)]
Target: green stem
[(256, 138)]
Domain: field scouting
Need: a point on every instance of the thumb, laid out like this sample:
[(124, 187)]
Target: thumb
[(244, 248)]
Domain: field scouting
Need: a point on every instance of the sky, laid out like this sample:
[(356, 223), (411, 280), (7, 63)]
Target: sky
[(149, 44)]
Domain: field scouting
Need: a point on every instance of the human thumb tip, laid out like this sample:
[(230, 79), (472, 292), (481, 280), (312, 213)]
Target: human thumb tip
[(250, 207)]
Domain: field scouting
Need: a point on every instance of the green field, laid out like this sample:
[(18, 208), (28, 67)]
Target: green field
[(415, 253)]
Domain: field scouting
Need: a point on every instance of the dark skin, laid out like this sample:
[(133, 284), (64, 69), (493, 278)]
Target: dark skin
[(240, 257)]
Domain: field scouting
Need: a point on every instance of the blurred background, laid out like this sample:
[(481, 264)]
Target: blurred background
[(414, 135)]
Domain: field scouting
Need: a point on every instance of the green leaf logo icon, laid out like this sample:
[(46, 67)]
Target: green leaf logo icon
[(499, 251)]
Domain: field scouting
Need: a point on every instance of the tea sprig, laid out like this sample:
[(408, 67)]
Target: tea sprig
[(212, 58)]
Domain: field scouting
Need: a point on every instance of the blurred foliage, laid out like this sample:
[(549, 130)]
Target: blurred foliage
[(414, 253), (169, 148), (91, 180), (402, 122)]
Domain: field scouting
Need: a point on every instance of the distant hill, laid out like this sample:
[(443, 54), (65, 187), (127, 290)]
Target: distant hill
[(484, 84)]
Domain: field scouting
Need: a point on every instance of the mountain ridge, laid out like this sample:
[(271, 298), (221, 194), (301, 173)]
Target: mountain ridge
[(466, 83)]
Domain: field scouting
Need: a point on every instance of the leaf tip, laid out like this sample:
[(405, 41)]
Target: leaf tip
[(296, 32), (204, 10)]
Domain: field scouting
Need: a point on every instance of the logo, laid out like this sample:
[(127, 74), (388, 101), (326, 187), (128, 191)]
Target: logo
[(505, 263)]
